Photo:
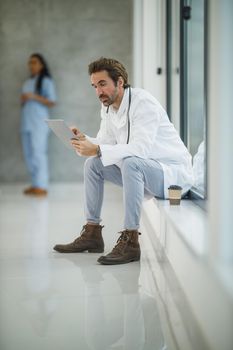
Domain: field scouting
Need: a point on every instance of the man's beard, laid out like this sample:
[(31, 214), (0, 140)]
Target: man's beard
[(108, 100)]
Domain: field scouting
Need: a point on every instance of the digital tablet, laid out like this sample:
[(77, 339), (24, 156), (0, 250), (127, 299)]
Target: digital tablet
[(62, 131)]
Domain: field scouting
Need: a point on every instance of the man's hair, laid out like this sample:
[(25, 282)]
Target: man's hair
[(114, 68)]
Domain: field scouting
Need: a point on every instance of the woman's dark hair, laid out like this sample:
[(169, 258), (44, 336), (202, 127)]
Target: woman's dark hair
[(45, 72), (114, 68)]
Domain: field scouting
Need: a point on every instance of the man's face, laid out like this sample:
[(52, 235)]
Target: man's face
[(105, 88)]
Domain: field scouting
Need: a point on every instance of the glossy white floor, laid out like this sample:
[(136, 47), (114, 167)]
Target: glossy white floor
[(56, 301)]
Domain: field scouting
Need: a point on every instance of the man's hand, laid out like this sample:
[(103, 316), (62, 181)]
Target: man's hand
[(85, 147), (77, 133)]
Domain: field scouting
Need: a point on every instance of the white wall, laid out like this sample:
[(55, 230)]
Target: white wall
[(220, 128), (149, 47), (220, 140)]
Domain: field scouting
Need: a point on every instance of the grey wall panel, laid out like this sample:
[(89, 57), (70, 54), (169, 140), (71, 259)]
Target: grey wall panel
[(70, 34)]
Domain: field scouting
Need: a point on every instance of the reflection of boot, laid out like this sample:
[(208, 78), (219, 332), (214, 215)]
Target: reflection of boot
[(90, 239), (126, 250), (127, 279)]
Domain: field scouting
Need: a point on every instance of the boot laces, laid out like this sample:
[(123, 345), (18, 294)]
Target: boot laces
[(81, 234), (83, 231), (121, 242)]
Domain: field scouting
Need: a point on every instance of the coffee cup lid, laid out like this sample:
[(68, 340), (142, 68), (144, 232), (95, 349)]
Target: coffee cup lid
[(175, 187)]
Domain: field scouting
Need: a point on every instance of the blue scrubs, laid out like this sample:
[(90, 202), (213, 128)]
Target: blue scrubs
[(34, 131)]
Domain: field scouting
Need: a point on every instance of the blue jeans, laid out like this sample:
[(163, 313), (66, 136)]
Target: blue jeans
[(137, 176), (35, 145)]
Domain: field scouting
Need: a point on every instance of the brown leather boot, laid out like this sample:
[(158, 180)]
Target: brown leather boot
[(90, 239), (127, 249)]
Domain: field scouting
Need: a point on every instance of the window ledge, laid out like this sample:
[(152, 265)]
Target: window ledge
[(182, 232), (189, 221)]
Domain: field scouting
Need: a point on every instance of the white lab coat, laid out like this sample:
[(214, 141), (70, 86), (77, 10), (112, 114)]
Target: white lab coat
[(152, 136)]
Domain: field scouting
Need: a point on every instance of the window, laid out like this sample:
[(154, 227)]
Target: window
[(186, 81)]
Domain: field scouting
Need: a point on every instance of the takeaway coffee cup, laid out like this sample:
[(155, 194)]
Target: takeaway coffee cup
[(174, 193)]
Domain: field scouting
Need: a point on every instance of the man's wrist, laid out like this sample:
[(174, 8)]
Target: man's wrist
[(98, 151)]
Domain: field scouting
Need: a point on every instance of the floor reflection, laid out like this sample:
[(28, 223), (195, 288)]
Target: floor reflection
[(40, 305), (58, 301), (118, 314)]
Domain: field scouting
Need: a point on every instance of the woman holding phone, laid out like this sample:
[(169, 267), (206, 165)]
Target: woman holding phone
[(38, 95)]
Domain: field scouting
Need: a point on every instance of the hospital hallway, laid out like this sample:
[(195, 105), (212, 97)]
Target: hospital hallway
[(56, 301), (144, 89)]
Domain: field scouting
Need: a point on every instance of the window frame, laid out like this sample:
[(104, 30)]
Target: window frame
[(193, 194)]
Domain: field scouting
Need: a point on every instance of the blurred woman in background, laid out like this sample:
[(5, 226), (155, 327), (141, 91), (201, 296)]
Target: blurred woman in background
[(38, 95)]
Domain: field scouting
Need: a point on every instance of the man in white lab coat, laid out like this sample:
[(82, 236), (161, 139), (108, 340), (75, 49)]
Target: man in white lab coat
[(138, 148)]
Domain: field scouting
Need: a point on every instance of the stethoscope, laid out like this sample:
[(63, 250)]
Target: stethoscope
[(128, 119)]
